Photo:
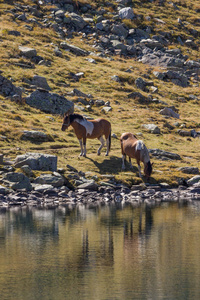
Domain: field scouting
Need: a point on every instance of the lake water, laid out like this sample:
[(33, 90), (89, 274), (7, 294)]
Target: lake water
[(102, 253)]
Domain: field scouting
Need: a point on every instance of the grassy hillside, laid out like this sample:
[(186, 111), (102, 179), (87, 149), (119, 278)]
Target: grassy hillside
[(126, 115)]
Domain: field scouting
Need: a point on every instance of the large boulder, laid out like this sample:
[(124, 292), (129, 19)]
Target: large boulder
[(126, 13), (7, 88), (17, 181), (37, 161), (49, 102), (56, 180)]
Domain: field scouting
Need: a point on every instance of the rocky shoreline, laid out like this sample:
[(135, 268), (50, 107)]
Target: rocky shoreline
[(19, 186), (51, 197)]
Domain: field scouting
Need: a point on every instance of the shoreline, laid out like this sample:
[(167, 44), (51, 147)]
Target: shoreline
[(137, 195)]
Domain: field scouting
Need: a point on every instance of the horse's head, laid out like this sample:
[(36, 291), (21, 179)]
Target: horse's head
[(66, 122), (148, 169)]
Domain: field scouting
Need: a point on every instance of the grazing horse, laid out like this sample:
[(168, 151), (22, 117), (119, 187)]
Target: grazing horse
[(89, 129), (135, 148)]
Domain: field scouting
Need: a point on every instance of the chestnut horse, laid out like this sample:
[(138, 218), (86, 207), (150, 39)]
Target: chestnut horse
[(89, 129), (135, 148)]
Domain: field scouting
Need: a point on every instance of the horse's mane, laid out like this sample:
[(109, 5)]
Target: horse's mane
[(72, 117)]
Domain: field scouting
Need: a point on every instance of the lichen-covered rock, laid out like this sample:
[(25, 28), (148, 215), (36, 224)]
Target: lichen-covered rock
[(37, 161), (49, 102)]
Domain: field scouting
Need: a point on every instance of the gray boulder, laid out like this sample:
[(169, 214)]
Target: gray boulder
[(126, 13), (41, 82), (194, 180), (89, 185), (27, 52), (56, 180), (36, 136), (77, 21), (169, 112), (119, 30), (7, 88), (164, 154), (152, 128), (37, 161), (17, 181), (49, 102), (73, 49), (189, 170)]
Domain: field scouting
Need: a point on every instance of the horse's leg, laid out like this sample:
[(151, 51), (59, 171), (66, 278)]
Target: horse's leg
[(107, 145), (139, 168), (101, 139), (81, 145), (84, 146), (123, 159), (131, 166)]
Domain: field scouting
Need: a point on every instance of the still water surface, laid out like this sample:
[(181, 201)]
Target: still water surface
[(102, 253)]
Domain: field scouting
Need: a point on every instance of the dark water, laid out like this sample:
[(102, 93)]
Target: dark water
[(105, 252)]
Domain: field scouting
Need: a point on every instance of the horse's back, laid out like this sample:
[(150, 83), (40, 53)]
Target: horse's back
[(128, 144), (101, 127)]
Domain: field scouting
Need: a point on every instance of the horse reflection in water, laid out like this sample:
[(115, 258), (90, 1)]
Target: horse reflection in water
[(89, 129), (135, 148), (136, 234)]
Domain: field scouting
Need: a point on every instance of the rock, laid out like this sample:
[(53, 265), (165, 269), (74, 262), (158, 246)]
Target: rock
[(41, 188), (27, 170), (3, 190), (37, 161), (74, 49), (36, 136), (27, 52), (41, 82), (106, 109), (189, 170), (17, 181), (49, 102), (193, 180), (126, 13), (116, 78), (191, 133), (89, 185), (169, 112), (119, 30), (152, 128), (164, 154), (77, 21), (7, 88), (56, 180)]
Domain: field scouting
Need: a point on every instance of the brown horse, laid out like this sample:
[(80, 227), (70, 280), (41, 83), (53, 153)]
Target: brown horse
[(135, 148), (89, 129)]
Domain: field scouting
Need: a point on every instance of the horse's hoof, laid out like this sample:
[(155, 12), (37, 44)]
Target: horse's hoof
[(98, 153), (106, 154)]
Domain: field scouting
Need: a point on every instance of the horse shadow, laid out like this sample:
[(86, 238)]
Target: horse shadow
[(112, 164)]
